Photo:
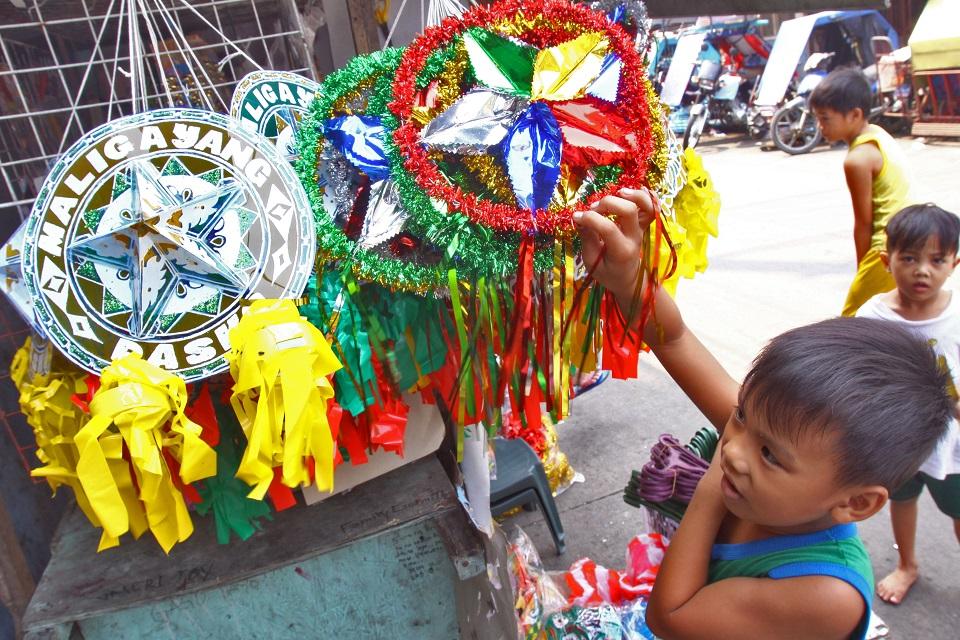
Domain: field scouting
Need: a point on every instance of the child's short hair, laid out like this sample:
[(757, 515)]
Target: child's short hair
[(872, 383), (843, 90), (911, 226)]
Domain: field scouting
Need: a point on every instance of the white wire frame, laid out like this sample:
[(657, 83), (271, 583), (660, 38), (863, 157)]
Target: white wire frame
[(61, 64)]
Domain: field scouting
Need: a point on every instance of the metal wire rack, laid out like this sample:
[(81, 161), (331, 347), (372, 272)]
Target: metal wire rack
[(65, 67)]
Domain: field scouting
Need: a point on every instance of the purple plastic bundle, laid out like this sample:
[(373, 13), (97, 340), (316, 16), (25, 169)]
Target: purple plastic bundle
[(673, 472)]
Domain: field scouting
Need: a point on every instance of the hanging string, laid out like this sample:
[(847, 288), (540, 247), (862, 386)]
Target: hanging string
[(393, 27), (132, 36), (187, 52), (225, 39), (116, 57), (83, 81), (430, 16), (152, 33), (442, 9)]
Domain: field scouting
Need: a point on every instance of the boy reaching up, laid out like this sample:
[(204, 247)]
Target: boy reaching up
[(921, 253), (811, 443), (876, 173)]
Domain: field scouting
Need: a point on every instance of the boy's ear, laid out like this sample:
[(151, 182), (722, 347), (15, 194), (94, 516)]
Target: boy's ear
[(885, 259), (860, 505)]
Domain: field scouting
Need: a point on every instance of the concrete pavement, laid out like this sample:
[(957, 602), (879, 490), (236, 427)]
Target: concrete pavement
[(784, 258)]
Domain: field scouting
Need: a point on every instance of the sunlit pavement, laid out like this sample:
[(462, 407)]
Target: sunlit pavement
[(784, 258)]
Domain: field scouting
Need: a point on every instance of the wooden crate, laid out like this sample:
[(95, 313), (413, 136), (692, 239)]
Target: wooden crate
[(394, 558)]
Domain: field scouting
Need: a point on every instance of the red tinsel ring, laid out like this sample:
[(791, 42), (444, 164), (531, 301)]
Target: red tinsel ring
[(631, 103)]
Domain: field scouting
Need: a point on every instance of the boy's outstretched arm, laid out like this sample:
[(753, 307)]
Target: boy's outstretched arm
[(684, 607), (612, 238)]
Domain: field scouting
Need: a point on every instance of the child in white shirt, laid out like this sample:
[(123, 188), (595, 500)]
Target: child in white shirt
[(921, 253)]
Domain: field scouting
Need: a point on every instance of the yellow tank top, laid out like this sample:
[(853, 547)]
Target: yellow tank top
[(891, 187)]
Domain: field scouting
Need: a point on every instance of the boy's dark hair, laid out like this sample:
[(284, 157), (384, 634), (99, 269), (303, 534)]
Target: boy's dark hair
[(871, 382), (843, 90), (911, 226)]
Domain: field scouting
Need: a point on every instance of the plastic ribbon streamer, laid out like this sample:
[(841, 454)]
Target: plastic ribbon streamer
[(47, 404), (224, 494), (563, 302), (697, 207), (138, 451), (280, 363)]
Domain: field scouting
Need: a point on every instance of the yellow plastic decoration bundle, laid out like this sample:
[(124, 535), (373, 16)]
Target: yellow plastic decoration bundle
[(45, 401), (280, 363), (140, 408), (697, 210)]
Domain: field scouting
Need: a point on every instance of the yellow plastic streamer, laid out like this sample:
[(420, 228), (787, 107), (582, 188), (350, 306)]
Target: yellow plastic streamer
[(566, 347), (565, 71), (697, 209), (280, 364), (45, 402), (563, 294), (140, 407)]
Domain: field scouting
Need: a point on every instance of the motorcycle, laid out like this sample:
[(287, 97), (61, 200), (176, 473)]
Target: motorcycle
[(794, 128), (721, 100), (710, 76), (847, 34)]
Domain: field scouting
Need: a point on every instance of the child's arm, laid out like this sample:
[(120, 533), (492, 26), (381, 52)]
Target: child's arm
[(860, 166), (684, 607), (615, 248)]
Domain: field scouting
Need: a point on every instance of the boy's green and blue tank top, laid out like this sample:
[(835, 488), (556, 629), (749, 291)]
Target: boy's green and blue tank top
[(837, 552)]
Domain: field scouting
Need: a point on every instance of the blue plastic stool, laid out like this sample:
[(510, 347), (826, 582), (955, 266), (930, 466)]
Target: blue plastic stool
[(521, 481)]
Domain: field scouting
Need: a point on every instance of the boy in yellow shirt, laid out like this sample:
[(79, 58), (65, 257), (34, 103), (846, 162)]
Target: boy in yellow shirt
[(876, 172)]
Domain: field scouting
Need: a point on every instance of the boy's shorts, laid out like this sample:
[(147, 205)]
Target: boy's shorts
[(946, 492)]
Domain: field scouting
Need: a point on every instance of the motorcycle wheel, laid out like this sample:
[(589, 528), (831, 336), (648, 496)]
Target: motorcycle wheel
[(695, 125), (795, 130)]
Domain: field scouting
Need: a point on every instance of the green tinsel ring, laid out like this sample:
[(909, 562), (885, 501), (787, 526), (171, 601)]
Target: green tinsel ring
[(332, 243)]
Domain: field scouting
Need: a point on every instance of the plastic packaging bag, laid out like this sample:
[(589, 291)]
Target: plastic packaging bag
[(537, 594)]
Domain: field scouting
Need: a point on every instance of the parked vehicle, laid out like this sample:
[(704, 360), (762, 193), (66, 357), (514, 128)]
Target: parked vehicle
[(714, 69), (845, 34), (660, 50), (794, 127)]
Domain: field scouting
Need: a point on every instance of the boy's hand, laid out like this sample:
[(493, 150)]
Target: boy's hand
[(708, 489), (613, 249)]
